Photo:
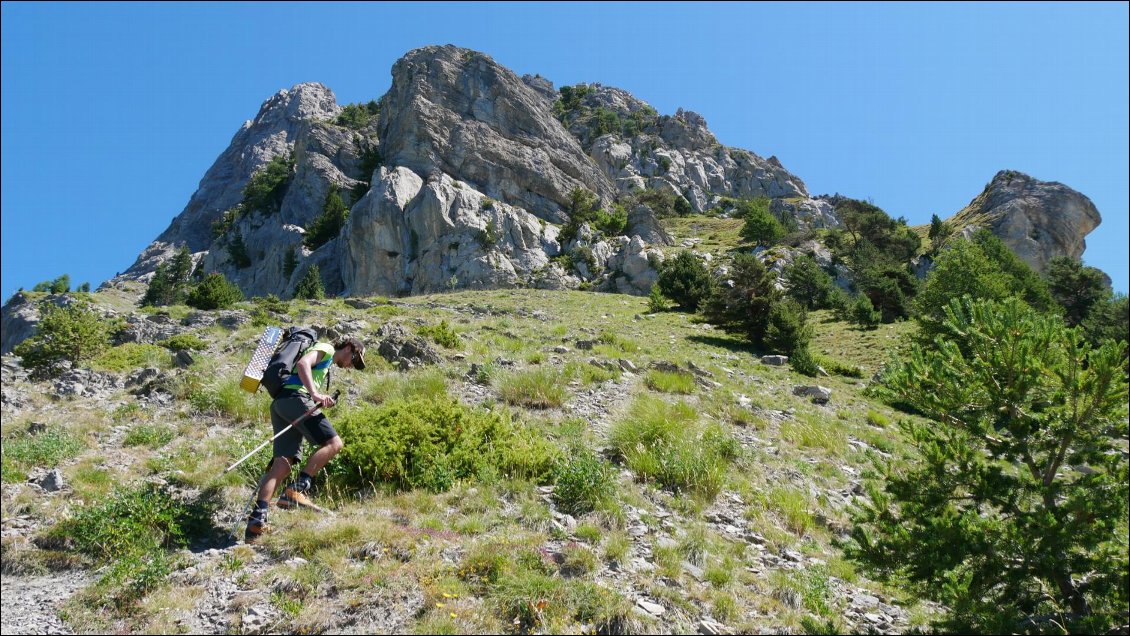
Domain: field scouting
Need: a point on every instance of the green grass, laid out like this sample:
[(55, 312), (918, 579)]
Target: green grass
[(718, 235), (131, 356), (535, 389), (669, 382), (426, 383), (22, 452), (666, 443), (153, 436)]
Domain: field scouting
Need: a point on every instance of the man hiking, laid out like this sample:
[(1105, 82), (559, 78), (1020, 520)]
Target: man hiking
[(300, 394)]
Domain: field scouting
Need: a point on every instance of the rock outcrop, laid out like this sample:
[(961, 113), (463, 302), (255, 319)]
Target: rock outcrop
[(274, 132), (458, 112), (639, 149), (1038, 220)]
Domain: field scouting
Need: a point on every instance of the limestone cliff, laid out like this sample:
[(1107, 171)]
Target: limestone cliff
[(461, 180), (1038, 220)]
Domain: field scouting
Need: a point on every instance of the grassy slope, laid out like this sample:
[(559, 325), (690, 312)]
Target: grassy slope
[(797, 467)]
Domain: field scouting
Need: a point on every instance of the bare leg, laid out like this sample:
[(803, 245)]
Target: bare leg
[(323, 455), (280, 468)]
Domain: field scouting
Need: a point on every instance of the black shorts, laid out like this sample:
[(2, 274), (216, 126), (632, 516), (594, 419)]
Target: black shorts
[(289, 406)]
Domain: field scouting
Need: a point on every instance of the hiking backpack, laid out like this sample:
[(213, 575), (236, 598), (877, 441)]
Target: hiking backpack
[(296, 340)]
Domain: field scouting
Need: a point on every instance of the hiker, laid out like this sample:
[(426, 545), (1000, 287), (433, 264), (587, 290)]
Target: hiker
[(299, 395)]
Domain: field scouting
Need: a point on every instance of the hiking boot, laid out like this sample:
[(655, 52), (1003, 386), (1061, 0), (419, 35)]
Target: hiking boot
[(292, 499), (256, 527)]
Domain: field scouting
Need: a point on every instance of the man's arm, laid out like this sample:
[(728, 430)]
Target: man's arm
[(306, 374)]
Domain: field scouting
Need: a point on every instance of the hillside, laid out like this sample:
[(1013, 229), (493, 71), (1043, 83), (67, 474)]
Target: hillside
[(754, 551)]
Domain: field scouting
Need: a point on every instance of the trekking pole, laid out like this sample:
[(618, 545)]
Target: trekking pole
[(279, 434)]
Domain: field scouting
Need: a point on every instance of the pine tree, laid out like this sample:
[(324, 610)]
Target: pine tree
[(311, 285), (988, 517)]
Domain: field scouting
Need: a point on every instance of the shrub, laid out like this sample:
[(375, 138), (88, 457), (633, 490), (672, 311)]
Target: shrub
[(863, 313), (685, 280), (214, 292), (583, 483), (1108, 320), (986, 517), (665, 442), (237, 251), (138, 520), (583, 206), (356, 116), (74, 333), (760, 227), (442, 334), (265, 190), (808, 284), (1075, 287), (129, 356), (310, 287), (184, 342), (487, 237), (614, 223), (662, 203), (171, 280), (423, 443), (60, 285), (742, 303), (803, 362), (537, 389), (656, 302), (788, 329), (290, 262), (21, 452)]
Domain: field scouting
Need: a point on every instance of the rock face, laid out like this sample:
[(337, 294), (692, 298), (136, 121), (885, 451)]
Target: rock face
[(20, 316), (1038, 220), (275, 131), (460, 178), (639, 149), (457, 112)]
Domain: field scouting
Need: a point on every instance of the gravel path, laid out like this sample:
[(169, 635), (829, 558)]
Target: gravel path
[(29, 604)]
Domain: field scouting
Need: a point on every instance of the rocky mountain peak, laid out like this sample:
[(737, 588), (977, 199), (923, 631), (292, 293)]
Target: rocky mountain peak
[(1038, 220), (457, 112), (303, 102)]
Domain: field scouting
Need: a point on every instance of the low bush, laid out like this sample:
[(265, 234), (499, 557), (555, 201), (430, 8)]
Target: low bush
[(130, 356), (74, 333), (137, 521), (424, 443), (583, 483), (442, 334), (184, 342), (685, 280), (214, 292)]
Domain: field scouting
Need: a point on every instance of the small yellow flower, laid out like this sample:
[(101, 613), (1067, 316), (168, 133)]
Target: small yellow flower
[(439, 605), (454, 615)]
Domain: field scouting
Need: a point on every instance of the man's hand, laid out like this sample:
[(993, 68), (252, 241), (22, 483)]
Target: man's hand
[(325, 400)]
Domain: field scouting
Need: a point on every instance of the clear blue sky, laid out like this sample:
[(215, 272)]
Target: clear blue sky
[(113, 112)]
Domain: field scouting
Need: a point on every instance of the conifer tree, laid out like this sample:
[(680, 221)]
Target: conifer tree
[(989, 516), (311, 285)]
